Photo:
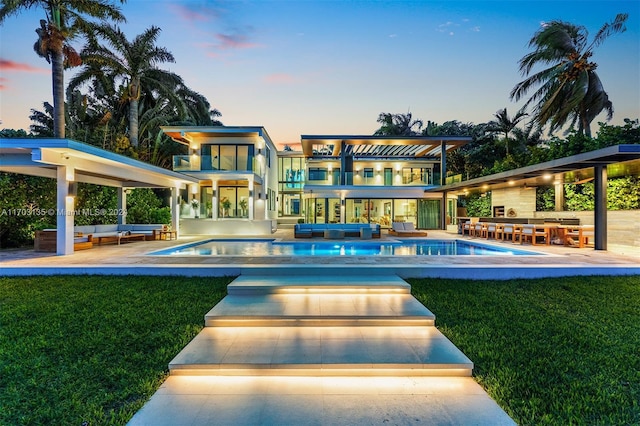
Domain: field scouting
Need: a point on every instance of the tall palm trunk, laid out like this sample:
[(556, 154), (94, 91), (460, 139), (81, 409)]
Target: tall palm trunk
[(57, 71), (134, 97), (133, 122)]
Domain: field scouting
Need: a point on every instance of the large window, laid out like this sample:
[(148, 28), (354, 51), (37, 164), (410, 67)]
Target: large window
[(317, 173), (227, 157), (233, 202)]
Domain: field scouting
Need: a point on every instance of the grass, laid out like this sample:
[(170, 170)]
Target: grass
[(91, 350), (549, 351)]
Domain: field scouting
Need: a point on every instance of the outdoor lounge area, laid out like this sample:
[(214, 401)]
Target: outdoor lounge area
[(337, 230), (85, 236), (406, 229)]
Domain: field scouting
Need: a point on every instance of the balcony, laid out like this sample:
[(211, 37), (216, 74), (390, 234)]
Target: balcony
[(360, 178), (198, 163)]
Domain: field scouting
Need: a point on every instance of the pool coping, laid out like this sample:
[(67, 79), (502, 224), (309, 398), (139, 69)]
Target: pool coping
[(133, 259)]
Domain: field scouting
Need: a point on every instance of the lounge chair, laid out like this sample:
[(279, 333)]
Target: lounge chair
[(406, 229)]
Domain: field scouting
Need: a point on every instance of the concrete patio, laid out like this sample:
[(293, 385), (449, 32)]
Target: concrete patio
[(133, 258)]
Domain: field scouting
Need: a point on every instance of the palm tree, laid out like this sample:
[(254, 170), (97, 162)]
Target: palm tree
[(134, 66), (65, 20), (398, 125), (569, 89), (504, 124)]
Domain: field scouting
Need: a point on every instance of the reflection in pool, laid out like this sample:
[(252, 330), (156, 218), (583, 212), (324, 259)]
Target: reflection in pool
[(331, 248)]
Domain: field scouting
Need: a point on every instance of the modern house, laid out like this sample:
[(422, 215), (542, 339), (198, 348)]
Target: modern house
[(236, 170), (245, 184), (368, 179)]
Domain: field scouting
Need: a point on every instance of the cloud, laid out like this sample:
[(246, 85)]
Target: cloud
[(234, 41), (11, 66), (2, 83), (280, 78), (464, 24), (393, 35), (193, 13)]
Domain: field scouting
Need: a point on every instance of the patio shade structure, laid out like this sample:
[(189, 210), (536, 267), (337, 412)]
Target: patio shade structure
[(70, 162), (598, 165)]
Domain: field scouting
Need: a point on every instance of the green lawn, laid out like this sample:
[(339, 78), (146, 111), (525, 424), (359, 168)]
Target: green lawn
[(93, 349), (549, 351)]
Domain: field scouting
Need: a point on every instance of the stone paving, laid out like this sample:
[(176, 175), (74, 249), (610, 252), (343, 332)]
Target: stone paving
[(306, 351)]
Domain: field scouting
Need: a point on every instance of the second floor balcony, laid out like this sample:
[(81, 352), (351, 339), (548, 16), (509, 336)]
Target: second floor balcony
[(208, 163)]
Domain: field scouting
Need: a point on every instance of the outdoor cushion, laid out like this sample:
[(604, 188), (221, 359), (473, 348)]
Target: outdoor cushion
[(106, 228)]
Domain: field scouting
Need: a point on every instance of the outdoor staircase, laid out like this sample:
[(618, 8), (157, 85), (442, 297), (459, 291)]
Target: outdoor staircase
[(291, 349)]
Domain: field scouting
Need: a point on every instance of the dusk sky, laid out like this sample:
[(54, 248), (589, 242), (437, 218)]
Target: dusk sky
[(328, 67)]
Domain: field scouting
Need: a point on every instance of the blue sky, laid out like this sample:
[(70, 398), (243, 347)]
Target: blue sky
[(329, 67)]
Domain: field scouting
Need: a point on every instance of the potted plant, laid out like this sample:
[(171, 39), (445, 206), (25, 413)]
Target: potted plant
[(226, 205), (243, 206), (195, 204)]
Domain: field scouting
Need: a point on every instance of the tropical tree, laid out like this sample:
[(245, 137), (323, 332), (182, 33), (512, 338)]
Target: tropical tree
[(131, 66), (505, 124), (398, 125), (569, 90), (65, 20)]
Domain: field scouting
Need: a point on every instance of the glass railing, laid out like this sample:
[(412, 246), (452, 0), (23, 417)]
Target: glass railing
[(359, 179), (196, 163)]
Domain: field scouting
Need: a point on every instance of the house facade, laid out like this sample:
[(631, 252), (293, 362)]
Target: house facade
[(333, 179), (368, 179), (238, 183)]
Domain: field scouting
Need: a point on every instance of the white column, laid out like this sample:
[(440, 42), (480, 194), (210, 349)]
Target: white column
[(64, 214), (175, 211), (214, 202), (122, 206), (252, 194)]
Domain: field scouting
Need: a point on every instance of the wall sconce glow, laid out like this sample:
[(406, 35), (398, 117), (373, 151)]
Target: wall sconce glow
[(546, 176), (512, 182), (72, 189)]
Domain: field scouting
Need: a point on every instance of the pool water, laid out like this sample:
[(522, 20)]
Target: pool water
[(351, 248)]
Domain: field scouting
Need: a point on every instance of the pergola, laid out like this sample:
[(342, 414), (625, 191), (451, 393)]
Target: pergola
[(382, 147), (613, 161), (70, 162)]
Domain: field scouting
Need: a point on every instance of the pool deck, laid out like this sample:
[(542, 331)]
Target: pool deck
[(132, 258)]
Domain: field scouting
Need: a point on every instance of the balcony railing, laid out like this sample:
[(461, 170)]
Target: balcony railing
[(378, 179), (196, 163)]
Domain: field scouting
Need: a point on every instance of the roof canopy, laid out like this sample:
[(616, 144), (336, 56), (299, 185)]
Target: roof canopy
[(380, 146), (41, 157), (188, 135), (621, 160)]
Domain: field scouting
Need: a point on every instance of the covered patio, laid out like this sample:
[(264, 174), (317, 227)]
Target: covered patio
[(70, 162), (596, 166)]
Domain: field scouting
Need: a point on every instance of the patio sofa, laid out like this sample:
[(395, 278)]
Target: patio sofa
[(114, 232), (87, 235), (308, 230)]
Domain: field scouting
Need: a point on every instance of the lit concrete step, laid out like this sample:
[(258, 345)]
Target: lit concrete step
[(318, 351), (319, 310), (306, 284), (201, 401)]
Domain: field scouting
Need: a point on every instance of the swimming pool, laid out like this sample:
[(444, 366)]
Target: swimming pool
[(348, 248)]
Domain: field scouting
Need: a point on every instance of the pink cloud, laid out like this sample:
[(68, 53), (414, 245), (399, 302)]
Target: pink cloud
[(234, 41), (191, 13), (9, 66), (280, 78), (2, 83)]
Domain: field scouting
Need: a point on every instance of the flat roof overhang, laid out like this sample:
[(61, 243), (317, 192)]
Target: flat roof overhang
[(187, 135), (41, 157), (620, 160), (380, 146)]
